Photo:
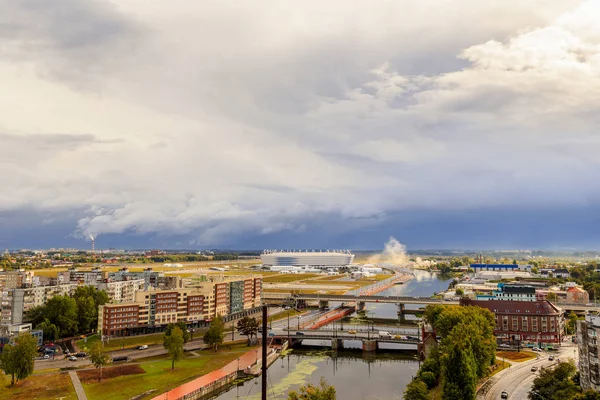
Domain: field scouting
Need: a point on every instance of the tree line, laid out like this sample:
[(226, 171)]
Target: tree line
[(464, 355), (65, 316)]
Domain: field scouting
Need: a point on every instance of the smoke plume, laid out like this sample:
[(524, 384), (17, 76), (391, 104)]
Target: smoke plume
[(394, 253)]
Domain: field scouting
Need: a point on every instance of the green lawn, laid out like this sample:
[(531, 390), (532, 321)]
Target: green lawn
[(126, 343), (286, 278), (160, 376)]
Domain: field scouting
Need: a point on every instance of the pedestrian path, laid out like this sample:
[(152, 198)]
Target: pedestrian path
[(243, 362), (77, 385)]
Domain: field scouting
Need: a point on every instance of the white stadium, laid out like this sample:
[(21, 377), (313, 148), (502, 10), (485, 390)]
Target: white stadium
[(309, 258)]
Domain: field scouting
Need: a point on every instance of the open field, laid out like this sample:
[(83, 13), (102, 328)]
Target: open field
[(516, 356), (284, 278), (38, 386), (159, 376)]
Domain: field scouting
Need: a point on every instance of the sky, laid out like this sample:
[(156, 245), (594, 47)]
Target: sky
[(316, 124)]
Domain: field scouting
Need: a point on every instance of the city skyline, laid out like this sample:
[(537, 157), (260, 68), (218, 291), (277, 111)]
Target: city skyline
[(226, 125)]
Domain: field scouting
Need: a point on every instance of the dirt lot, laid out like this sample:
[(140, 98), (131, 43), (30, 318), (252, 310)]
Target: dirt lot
[(91, 375)]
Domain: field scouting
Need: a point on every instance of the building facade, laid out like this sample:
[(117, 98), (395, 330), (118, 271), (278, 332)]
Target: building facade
[(577, 295), (195, 305), (16, 302), (538, 322), (588, 345), (319, 259)]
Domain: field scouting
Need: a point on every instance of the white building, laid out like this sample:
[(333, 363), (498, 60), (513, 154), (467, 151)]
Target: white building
[(317, 259)]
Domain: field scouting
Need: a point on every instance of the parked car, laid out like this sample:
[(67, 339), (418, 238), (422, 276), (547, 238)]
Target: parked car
[(534, 368), (536, 349), (72, 358), (505, 346), (551, 358), (46, 356), (352, 332), (300, 333), (81, 354), (142, 347), (271, 334), (504, 394)]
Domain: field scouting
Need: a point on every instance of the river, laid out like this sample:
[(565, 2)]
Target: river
[(380, 376)]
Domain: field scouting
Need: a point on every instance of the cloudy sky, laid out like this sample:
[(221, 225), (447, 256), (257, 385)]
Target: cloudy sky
[(275, 123)]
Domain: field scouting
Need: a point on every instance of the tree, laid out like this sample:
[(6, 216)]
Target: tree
[(174, 345), (535, 270), (97, 357), (310, 392), (215, 334), (428, 378), (459, 292), (87, 313), (51, 331), (459, 368), (555, 384), (587, 395), (416, 390), (184, 330), (17, 360), (247, 327), (59, 310)]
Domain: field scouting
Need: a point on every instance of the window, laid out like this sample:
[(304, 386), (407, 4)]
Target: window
[(544, 324), (504, 323), (534, 327), (515, 323)]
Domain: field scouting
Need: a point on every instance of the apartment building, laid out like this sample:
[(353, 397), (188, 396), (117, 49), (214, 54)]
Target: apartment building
[(153, 309), (538, 322), (588, 345), (16, 279), (16, 302), (122, 291)]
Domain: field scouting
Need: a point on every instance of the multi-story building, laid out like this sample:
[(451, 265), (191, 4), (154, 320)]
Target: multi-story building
[(588, 344), (122, 291), (524, 321), (16, 302), (577, 295), (153, 309), (16, 279), (510, 293)]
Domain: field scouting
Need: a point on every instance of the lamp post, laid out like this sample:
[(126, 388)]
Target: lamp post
[(298, 322)]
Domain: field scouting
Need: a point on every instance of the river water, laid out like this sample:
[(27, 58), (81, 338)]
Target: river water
[(355, 375)]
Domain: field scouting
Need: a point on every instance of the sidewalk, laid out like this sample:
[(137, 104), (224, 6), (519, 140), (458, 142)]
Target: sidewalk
[(244, 361), (77, 385)]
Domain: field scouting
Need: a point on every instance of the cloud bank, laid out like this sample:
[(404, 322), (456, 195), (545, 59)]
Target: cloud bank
[(214, 122)]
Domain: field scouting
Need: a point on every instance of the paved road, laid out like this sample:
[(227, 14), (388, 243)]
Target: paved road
[(518, 379), (155, 350)]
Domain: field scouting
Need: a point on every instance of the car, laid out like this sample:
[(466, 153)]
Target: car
[(551, 358), (72, 358), (67, 352), (300, 333), (46, 356), (142, 347), (536, 349), (505, 346), (271, 334), (534, 368), (504, 394), (352, 332)]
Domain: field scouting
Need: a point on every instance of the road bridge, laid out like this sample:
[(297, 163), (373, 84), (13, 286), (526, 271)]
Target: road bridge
[(370, 339)]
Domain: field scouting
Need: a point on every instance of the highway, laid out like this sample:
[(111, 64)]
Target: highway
[(518, 379)]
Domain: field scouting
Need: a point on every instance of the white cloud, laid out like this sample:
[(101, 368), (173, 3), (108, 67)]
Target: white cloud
[(213, 118)]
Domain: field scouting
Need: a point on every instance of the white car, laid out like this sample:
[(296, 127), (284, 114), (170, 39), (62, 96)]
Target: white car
[(143, 347)]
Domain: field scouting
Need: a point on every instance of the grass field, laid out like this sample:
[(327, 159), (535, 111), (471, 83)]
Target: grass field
[(286, 278), (126, 343), (159, 375), (42, 386)]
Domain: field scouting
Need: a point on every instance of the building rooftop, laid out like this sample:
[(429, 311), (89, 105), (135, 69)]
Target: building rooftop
[(541, 307)]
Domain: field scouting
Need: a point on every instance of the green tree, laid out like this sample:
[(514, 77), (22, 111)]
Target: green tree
[(87, 313), (215, 334), (51, 331), (535, 270), (459, 367), (587, 395), (17, 360), (555, 384), (310, 392), (98, 358), (416, 390), (59, 310), (184, 330), (428, 378), (174, 345), (247, 327), (459, 292)]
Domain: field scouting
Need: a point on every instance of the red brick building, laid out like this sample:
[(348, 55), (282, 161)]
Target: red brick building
[(525, 321)]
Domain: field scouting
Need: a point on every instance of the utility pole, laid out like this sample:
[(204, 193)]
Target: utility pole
[(264, 353)]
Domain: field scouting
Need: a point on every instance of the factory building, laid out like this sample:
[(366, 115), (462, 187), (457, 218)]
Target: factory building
[(315, 259)]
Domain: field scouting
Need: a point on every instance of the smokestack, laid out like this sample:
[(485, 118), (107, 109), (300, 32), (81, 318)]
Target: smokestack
[(93, 243)]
